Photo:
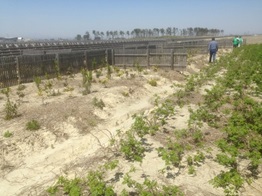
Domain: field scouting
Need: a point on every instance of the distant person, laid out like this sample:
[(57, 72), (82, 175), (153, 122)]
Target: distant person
[(235, 42), (212, 48), (240, 41)]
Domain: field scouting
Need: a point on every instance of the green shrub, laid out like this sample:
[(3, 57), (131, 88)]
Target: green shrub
[(94, 185), (38, 82), (230, 181), (150, 188), (8, 134), (98, 103), (87, 81), (191, 170), (132, 148), (97, 185), (32, 125), (10, 110), (10, 107), (172, 154), (152, 82), (66, 186)]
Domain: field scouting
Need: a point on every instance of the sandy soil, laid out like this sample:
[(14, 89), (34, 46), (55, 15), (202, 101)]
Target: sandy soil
[(74, 134), (253, 39)]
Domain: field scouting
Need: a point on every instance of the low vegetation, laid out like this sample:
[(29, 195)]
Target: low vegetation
[(231, 106), (32, 125)]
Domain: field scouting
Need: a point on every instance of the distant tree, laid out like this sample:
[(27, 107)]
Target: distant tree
[(169, 31), (175, 31), (190, 31), (133, 33), (162, 31), (156, 32), (107, 34), (184, 32), (143, 33), (112, 34), (78, 37), (122, 34), (128, 33), (137, 32), (102, 34), (94, 33), (200, 31), (115, 34), (97, 34), (205, 31), (86, 36), (150, 33)]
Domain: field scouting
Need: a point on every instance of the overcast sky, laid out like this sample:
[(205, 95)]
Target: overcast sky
[(67, 18)]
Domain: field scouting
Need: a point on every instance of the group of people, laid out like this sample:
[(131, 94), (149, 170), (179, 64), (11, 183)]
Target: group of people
[(237, 41), (213, 47)]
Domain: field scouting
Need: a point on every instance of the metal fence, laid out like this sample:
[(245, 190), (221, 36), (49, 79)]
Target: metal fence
[(30, 66), (164, 58), (198, 46), (23, 69), (8, 71)]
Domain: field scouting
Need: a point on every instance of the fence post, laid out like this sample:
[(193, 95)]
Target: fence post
[(57, 63), (172, 59), (148, 57), (184, 62), (18, 70), (113, 57), (86, 59), (106, 56)]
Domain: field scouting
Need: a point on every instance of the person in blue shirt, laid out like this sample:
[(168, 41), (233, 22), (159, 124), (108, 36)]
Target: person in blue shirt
[(212, 48)]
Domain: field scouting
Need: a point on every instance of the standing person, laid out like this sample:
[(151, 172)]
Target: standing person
[(212, 48), (240, 41), (235, 42)]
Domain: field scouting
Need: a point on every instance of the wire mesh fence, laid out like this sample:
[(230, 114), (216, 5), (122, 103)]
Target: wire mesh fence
[(23, 68)]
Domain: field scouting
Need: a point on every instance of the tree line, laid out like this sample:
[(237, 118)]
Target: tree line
[(146, 33)]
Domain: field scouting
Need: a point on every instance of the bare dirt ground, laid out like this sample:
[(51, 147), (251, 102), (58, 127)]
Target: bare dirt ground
[(254, 39), (74, 134)]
